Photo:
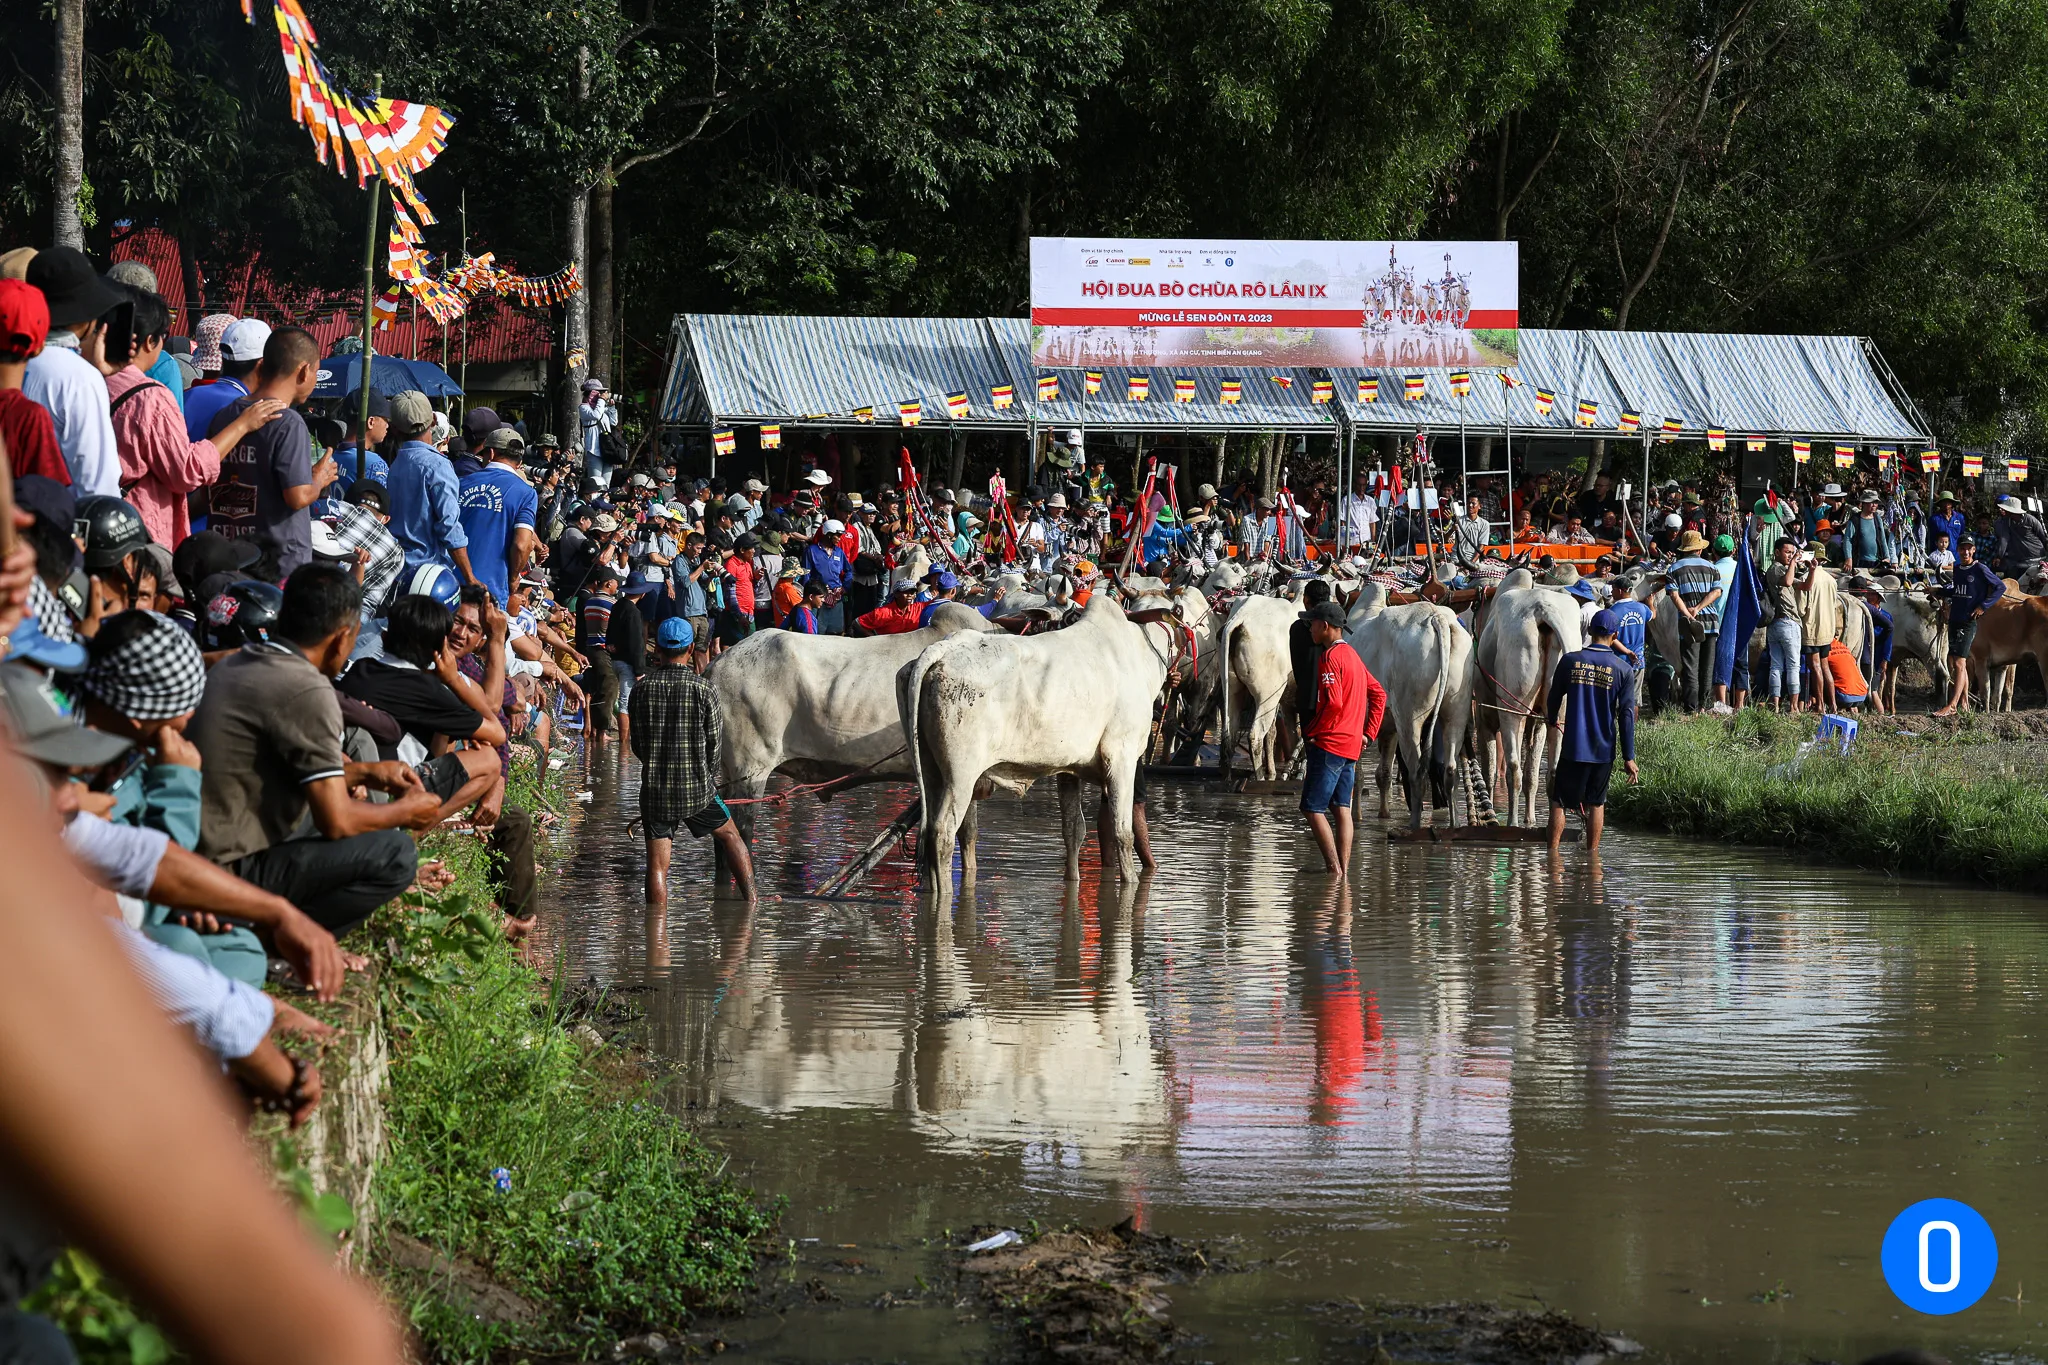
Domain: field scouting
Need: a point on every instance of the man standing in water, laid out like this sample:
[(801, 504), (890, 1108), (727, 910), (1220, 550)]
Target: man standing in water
[(1349, 703), (675, 731), (1597, 688)]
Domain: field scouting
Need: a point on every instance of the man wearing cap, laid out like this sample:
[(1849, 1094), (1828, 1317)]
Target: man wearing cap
[(65, 376), (739, 589), (354, 458), (2022, 540), (240, 351), (24, 423), (1596, 688), (1260, 534), (477, 426), (498, 510), (1945, 520), (599, 417), (825, 560), (676, 732), (268, 479), (1973, 590), (1349, 704), (426, 497), (897, 616), (751, 494), (1696, 589)]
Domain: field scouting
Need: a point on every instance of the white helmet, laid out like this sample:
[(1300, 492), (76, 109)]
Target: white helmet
[(1673, 521), (835, 527)]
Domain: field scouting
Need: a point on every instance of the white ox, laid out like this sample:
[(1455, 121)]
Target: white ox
[(817, 707), (1258, 679), (1076, 703), (1423, 658), (1527, 629)]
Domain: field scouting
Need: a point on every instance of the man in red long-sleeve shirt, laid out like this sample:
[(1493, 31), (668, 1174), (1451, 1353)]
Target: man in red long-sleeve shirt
[(1349, 704)]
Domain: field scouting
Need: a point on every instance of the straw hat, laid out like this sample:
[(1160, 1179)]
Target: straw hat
[(1691, 543)]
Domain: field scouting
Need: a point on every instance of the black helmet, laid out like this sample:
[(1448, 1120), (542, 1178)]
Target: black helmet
[(113, 530), (242, 613)]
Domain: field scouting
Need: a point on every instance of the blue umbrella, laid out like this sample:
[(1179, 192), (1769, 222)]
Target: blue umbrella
[(388, 375), (431, 379)]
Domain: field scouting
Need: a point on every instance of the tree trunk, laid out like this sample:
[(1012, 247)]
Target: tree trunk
[(957, 469), (195, 288), (603, 319), (576, 308), (1222, 443), (68, 226)]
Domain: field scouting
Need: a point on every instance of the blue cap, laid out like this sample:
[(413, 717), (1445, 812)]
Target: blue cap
[(1582, 590), (30, 643), (674, 633), (948, 582), (1604, 622)]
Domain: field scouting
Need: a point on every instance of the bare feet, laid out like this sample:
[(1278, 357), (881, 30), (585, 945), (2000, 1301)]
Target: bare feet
[(433, 877), (516, 929), (291, 1019), (354, 962)]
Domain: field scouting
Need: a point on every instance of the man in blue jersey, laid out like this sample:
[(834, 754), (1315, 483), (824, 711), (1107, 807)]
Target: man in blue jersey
[(498, 510), (1596, 687)]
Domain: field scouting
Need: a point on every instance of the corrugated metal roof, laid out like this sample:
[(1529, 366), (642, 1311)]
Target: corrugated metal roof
[(819, 371)]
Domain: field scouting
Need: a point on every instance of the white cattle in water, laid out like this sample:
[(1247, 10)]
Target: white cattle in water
[(1526, 631), (1076, 703), (816, 707), (1423, 658), (1258, 679)]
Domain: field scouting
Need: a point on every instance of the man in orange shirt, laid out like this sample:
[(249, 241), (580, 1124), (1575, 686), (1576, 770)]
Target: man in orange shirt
[(1851, 690)]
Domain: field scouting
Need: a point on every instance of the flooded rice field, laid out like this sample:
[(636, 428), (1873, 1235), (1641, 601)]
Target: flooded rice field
[(1681, 1099)]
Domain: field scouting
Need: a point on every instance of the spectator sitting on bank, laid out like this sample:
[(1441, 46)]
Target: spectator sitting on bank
[(368, 550), (269, 730), (353, 460), (426, 496), (268, 480), (499, 509), (478, 638), (25, 426)]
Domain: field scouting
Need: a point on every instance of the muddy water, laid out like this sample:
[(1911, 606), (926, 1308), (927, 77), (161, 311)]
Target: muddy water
[(1681, 1099)]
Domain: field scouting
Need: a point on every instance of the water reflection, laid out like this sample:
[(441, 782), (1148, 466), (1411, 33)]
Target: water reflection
[(1646, 1094)]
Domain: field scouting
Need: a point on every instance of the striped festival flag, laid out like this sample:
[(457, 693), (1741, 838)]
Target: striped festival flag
[(1802, 451), (1183, 390), (864, 414), (1544, 399), (1285, 381), (1233, 390), (1668, 431), (2016, 468), (1885, 456), (721, 442), (1461, 383), (771, 436), (1973, 464), (1589, 411), (1091, 380), (1753, 444), (1414, 386), (1322, 391), (910, 412), (1930, 460), (386, 308), (1717, 439), (1508, 380), (1139, 388), (1001, 396), (1845, 456), (956, 405), (1630, 420), (1048, 388), (1368, 390)]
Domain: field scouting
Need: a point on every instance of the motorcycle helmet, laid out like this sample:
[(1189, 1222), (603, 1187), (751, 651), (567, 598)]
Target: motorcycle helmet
[(242, 613), (112, 530)]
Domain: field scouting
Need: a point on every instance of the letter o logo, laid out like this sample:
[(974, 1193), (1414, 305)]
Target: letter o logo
[(1939, 1256)]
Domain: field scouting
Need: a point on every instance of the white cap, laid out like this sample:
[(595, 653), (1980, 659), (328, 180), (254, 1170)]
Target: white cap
[(756, 486), (1072, 438), (818, 477), (835, 527), (244, 339), (326, 544), (1674, 521)]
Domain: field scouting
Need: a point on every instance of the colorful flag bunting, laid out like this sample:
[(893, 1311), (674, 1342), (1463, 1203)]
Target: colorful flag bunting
[(1368, 390), (2016, 469), (1048, 388), (1802, 451), (865, 413), (1717, 439), (1509, 381), (1001, 396), (386, 307), (771, 436), (1753, 444), (910, 412), (1543, 399), (1233, 390), (1668, 431), (576, 359), (1138, 389), (1322, 391), (1461, 383), (1973, 464), (1091, 380), (1589, 411), (1845, 456), (956, 405), (1183, 390), (1930, 461), (722, 442), (1285, 381), (1414, 386), (1630, 420)]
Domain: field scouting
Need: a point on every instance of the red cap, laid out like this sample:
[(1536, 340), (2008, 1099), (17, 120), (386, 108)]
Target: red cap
[(24, 318)]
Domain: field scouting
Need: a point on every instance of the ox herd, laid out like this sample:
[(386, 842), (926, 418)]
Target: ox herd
[(965, 706)]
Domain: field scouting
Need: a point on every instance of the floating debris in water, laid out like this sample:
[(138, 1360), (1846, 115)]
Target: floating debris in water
[(1008, 1237), (586, 795)]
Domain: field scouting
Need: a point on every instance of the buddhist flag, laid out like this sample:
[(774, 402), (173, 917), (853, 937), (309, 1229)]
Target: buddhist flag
[(1885, 455), (1508, 381), (1461, 383), (1544, 399), (864, 414), (1668, 431), (1930, 460), (386, 307), (1322, 391), (1589, 411), (771, 436), (1802, 451), (1753, 444), (1630, 420), (1414, 386), (1233, 390), (1138, 389), (2016, 469), (910, 412), (1717, 439), (1285, 381), (1183, 390), (1091, 380), (956, 405), (1048, 388), (721, 441), (1368, 390), (1973, 464), (1001, 396), (1845, 456)]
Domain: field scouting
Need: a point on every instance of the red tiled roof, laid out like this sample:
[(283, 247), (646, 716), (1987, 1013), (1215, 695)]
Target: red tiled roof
[(498, 332)]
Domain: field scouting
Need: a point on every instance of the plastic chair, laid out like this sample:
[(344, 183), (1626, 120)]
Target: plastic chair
[(1841, 728)]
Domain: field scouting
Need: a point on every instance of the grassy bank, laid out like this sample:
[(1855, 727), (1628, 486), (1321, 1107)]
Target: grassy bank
[(1960, 798), (536, 1198)]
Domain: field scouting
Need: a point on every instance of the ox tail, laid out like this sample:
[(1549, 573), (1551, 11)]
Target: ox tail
[(910, 702), (1225, 639)]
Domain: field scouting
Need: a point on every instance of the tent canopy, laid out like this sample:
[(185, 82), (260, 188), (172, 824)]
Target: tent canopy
[(819, 371)]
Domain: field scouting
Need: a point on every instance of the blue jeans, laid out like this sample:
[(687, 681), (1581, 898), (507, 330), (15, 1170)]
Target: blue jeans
[(1782, 649), (1327, 781)]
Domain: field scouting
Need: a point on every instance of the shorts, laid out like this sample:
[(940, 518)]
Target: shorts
[(1138, 786), (701, 825), (443, 776), (700, 632), (1327, 782), (1848, 703), (1811, 650), (1579, 786), (1960, 637)]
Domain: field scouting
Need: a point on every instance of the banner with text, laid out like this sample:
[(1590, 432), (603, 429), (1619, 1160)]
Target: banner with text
[(1387, 305)]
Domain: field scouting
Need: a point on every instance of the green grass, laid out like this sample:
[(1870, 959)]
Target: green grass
[(1946, 802), (616, 1220)]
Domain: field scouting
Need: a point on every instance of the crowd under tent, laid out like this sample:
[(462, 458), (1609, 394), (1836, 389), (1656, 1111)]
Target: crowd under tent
[(728, 372)]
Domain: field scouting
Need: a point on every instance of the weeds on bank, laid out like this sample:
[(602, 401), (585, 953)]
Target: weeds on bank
[(1939, 802), (526, 1164)]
